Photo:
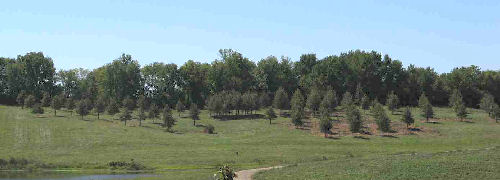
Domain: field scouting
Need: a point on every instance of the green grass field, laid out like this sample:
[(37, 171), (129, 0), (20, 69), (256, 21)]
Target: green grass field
[(70, 143)]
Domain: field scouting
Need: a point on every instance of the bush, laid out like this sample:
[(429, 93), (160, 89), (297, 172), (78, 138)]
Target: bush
[(37, 109), (225, 173), (210, 129), (132, 165)]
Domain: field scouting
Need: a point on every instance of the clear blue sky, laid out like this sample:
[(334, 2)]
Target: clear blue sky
[(441, 34)]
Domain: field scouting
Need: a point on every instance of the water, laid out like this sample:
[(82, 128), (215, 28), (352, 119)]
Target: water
[(20, 175)]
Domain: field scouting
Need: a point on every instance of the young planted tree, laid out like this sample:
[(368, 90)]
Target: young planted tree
[(347, 100), (496, 113), (264, 99), (426, 107), (392, 102), (142, 103), (20, 98), (297, 111), (325, 124), (100, 106), (194, 113), (113, 107), (407, 117), (358, 95), (381, 118), (141, 116), (129, 104), (280, 100), (456, 97), (270, 115), (313, 100), (487, 103), (365, 102), (179, 107), (154, 112), (461, 111), (81, 108), (30, 101), (46, 99), (330, 100), (70, 105), (89, 105), (298, 101), (168, 119), (324, 107), (57, 103), (354, 118), (456, 101), (37, 109), (126, 115)]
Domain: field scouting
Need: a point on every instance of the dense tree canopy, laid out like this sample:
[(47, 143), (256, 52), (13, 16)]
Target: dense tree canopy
[(274, 79)]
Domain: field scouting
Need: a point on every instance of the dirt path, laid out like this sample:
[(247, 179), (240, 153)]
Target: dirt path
[(247, 174)]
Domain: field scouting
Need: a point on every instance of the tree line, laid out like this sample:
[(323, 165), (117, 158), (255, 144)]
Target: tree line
[(367, 76)]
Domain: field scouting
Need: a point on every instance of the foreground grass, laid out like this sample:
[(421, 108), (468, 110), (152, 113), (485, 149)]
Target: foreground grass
[(70, 143)]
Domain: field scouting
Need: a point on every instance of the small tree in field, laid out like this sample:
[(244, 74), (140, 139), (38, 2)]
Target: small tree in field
[(365, 102), (313, 100), (142, 103), (426, 107), (461, 111), (99, 106), (280, 99), (270, 115), (325, 124), (407, 117), (46, 99), (347, 100), (392, 102), (126, 115), (496, 113), (381, 118), (141, 116), (129, 104), (330, 100), (194, 113), (154, 112), (354, 118), (57, 103), (30, 101), (179, 107), (70, 105), (297, 115), (37, 109), (20, 98), (113, 107), (168, 119), (487, 103), (81, 108)]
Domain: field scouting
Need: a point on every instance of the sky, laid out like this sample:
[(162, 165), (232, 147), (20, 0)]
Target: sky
[(441, 34)]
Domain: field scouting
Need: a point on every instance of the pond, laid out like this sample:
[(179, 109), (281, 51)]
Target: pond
[(22, 175)]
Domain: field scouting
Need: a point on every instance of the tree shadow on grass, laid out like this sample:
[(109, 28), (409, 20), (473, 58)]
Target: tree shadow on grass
[(389, 136), (432, 122), (362, 137), (414, 129), (238, 117)]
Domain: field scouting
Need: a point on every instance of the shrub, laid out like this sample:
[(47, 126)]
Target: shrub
[(225, 173), (210, 129), (354, 118), (37, 109)]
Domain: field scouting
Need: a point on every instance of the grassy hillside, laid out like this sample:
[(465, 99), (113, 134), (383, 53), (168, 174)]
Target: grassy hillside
[(68, 142)]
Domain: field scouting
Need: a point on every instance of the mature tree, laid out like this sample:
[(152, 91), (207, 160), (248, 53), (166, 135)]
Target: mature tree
[(70, 105), (280, 99), (392, 101), (100, 106), (354, 118), (314, 100), (194, 113), (365, 102), (179, 107), (113, 107), (325, 124), (122, 78), (30, 101), (407, 117), (161, 83), (20, 98), (154, 112), (126, 115), (195, 84), (57, 103), (38, 73), (168, 119), (381, 118), (37, 109), (270, 115), (426, 107), (347, 100), (46, 99), (81, 108), (487, 103)]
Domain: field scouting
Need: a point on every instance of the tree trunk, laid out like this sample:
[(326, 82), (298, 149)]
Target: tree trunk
[(326, 135), (269, 120), (125, 122), (82, 117), (194, 122), (55, 113), (97, 115), (140, 122)]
